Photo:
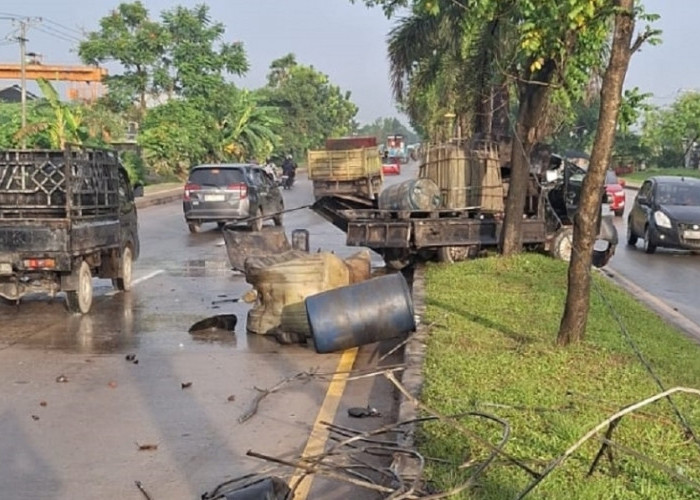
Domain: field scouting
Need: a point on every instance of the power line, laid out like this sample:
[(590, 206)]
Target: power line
[(64, 27), (46, 30)]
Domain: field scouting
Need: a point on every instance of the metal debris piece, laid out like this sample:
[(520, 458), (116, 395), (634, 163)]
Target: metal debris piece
[(251, 487), (219, 322), (186, 385), (231, 398), (142, 489), (358, 412), (61, 379), (35, 417), (130, 357), (43, 403)]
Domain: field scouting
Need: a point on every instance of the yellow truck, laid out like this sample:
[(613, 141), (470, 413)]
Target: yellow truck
[(349, 166)]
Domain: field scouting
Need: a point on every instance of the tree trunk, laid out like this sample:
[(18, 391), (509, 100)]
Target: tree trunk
[(533, 100), (573, 322)]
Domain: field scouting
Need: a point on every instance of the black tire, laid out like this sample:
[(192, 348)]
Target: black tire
[(194, 227), (397, 259), (257, 223), (649, 247), (455, 254), (562, 246), (620, 213), (220, 225), (123, 281), (631, 237), (279, 218), (80, 300)]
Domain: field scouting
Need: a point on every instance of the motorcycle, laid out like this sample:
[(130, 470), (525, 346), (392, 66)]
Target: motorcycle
[(287, 181)]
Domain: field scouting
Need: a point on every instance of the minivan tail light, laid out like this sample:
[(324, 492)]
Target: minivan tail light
[(241, 187), (189, 187)]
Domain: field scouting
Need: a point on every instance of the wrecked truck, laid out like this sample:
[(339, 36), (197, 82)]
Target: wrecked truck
[(469, 219), (65, 217)]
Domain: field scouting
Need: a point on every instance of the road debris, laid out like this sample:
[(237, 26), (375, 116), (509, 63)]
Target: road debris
[(186, 385), (61, 379), (143, 491), (35, 417), (225, 322), (112, 384), (147, 447), (131, 357), (250, 487), (359, 412), (263, 393), (241, 244), (231, 398), (43, 403)]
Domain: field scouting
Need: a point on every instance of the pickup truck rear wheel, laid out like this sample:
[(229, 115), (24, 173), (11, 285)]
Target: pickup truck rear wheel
[(80, 300), (123, 282)]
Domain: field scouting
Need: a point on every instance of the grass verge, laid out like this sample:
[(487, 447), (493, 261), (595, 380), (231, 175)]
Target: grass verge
[(492, 349), (641, 176)]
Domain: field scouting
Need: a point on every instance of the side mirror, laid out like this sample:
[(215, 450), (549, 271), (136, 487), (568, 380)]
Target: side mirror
[(622, 182), (138, 190)]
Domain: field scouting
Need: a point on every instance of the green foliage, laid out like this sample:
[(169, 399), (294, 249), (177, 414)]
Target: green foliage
[(10, 124), (668, 132), (311, 108), (134, 165), (180, 55), (491, 349)]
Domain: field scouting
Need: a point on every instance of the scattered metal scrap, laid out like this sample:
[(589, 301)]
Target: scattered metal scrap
[(263, 393), (142, 489), (219, 322)]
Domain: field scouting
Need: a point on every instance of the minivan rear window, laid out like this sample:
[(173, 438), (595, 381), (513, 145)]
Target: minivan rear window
[(216, 176)]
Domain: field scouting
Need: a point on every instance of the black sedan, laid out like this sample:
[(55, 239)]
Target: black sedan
[(666, 213)]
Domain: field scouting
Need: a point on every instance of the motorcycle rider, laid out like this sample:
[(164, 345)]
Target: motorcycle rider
[(289, 171)]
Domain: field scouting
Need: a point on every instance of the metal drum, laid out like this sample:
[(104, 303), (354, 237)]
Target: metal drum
[(367, 312), (414, 194)]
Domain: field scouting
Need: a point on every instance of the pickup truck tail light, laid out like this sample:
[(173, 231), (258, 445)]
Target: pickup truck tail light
[(241, 187), (189, 187), (39, 264)]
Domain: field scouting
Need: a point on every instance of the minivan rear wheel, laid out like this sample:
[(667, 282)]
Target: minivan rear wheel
[(257, 223)]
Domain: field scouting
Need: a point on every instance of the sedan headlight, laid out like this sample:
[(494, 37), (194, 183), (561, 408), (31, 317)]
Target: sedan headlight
[(662, 220)]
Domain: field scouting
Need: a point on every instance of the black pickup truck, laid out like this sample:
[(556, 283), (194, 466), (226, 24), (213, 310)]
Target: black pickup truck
[(66, 216)]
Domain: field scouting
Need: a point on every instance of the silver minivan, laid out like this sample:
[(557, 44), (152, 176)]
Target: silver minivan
[(231, 192)]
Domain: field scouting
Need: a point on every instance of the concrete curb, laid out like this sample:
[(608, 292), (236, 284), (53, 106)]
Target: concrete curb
[(159, 198), (412, 378)]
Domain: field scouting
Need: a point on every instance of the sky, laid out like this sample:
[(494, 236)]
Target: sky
[(344, 40)]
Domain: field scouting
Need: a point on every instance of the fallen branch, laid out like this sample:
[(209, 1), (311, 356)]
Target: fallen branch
[(263, 393), (629, 409)]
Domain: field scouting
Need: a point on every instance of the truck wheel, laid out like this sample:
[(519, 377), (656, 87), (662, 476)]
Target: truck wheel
[(80, 300), (257, 223), (397, 259), (123, 282), (455, 254), (194, 227), (563, 244)]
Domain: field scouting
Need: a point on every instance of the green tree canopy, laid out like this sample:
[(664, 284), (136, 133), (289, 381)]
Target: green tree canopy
[(311, 108)]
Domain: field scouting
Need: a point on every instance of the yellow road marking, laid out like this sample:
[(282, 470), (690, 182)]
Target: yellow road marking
[(319, 434)]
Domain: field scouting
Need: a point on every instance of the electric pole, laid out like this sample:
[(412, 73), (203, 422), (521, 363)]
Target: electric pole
[(23, 25)]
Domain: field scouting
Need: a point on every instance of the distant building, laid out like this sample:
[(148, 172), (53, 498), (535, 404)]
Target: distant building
[(14, 94)]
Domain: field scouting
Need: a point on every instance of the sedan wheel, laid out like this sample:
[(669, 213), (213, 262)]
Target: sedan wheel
[(631, 237), (649, 247)]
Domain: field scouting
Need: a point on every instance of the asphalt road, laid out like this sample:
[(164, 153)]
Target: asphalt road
[(81, 438), (670, 275)]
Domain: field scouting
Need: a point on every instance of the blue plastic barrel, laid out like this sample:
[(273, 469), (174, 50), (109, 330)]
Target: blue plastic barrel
[(367, 312)]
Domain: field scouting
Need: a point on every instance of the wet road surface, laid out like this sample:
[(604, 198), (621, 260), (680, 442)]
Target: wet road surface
[(80, 438), (670, 275)]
